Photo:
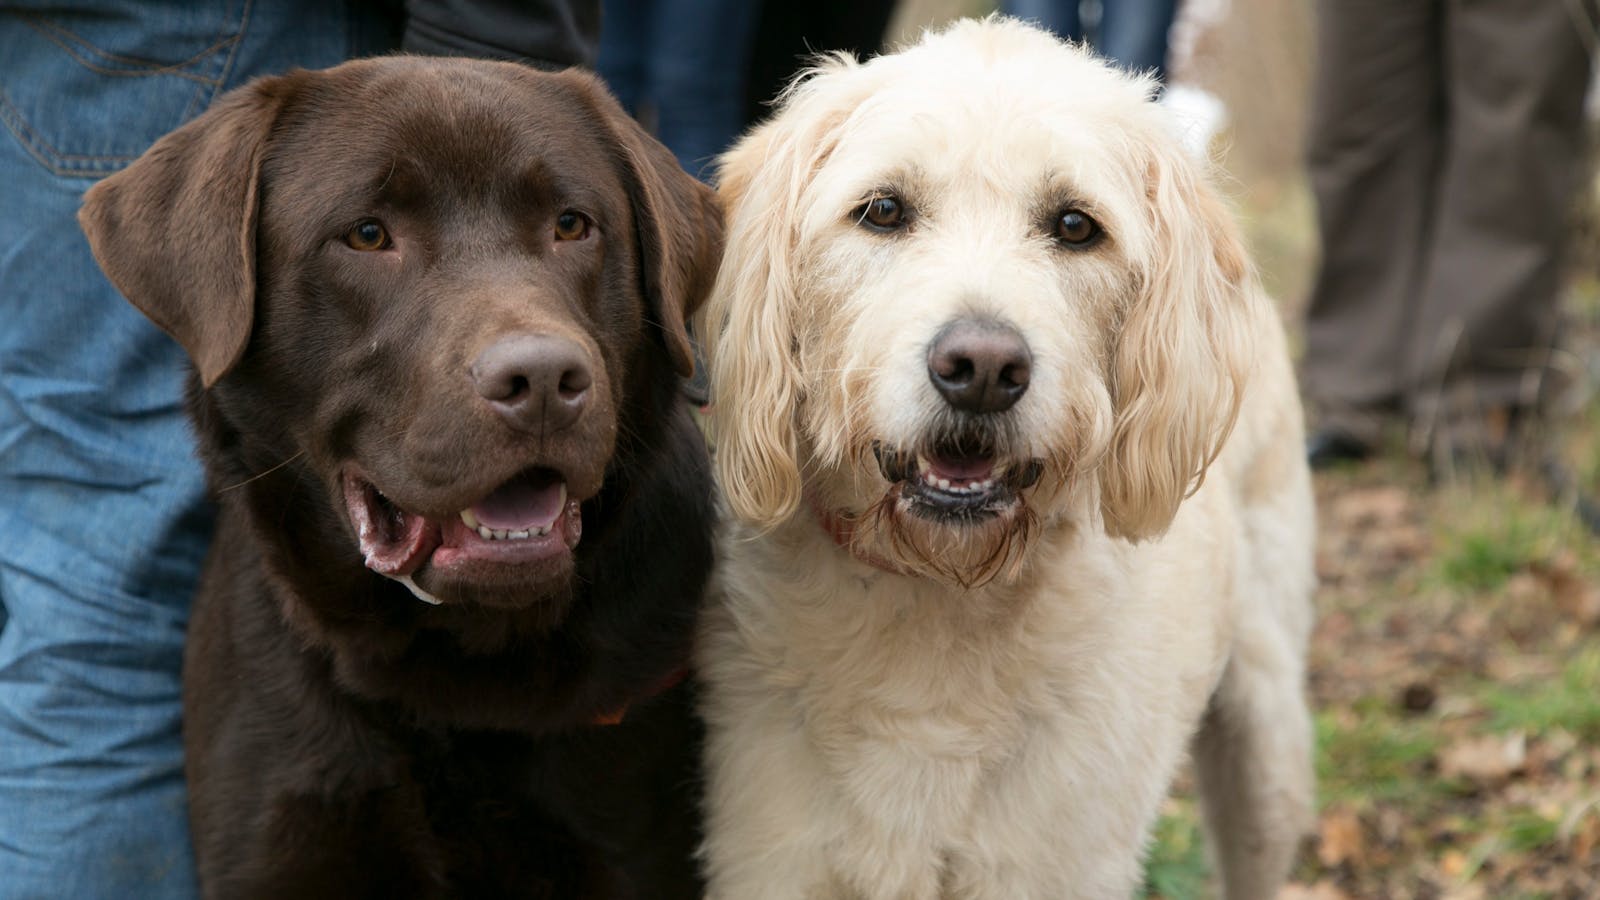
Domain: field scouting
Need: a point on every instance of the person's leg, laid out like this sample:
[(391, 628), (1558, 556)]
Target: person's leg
[(1060, 16), (1516, 78), (1133, 33), (1373, 153), (697, 71), (625, 43), (103, 513)]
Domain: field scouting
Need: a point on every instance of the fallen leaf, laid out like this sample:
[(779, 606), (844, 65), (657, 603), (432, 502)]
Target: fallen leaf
[(1486, 758), (1340, 839), (1322, 890), (1367, 507), (1574, 595), (1453, 863), (1466, 892)]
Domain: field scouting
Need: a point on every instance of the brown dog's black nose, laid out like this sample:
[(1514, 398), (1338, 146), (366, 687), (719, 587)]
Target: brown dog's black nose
[(536, 382), (980, 366)]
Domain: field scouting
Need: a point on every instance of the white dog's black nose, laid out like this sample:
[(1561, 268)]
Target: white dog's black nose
[(980, 366), (536, 382)]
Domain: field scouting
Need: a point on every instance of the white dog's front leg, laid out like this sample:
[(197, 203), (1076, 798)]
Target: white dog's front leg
[(781, 827), (1072, 828), (768, 814)]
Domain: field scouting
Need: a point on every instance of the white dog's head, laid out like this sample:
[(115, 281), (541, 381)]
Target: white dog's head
[(969, 287)]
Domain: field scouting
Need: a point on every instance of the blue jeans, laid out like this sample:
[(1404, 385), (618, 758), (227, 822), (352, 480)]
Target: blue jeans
[(1132, 33), (103, 522), (686, 60)]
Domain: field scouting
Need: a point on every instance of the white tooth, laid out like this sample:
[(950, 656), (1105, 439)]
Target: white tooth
[(485, 533), (499, 534), (518, 535), (944, 484), (563, 503), (470, 519), (541, 532)]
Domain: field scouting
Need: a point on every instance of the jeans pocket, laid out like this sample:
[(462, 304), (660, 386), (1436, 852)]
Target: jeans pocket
[(86, 91)]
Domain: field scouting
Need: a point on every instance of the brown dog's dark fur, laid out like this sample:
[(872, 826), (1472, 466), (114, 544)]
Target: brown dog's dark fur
[(344, 738)]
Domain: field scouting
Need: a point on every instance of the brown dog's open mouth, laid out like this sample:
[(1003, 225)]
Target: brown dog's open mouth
[(956, 482), (526, 520)]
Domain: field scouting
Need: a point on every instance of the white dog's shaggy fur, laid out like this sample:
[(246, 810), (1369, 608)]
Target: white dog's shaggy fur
[(911, 702)]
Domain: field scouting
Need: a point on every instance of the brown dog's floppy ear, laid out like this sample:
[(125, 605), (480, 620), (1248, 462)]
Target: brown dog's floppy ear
[(677, 224), (175, 231), (1183, 355)]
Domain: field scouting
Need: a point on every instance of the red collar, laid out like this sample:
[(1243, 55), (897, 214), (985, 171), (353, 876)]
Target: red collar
[(664, 684), (842, 528)]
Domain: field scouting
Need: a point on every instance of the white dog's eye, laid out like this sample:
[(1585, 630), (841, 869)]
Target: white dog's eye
[(881, 214), (1076, 229)]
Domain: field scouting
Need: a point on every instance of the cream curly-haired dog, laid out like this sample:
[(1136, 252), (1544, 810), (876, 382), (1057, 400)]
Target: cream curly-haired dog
[(1011, 442)]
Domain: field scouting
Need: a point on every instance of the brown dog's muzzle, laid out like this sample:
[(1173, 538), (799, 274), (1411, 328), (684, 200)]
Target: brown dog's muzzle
[(537, 383)]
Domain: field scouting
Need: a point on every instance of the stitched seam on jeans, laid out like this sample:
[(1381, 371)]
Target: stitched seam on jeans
[(120, 73), (50, 31), (82, 165), (221, 79), (233, 51), (47, 155)]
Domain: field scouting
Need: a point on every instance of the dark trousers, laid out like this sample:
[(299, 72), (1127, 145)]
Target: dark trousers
[(1445, 153)]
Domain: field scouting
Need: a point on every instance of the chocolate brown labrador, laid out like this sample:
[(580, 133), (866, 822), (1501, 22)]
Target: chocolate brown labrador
[(436, 314)]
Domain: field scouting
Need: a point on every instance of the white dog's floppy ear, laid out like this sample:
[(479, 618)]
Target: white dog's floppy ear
[(1183, 353), (749, 321)]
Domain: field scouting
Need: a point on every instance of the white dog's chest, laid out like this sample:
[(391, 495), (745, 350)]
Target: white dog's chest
[(932, 740)]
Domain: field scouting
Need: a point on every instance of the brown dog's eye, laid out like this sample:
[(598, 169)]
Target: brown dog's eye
[(572, 226), (368, 234), (1076, 229), (881, 214)]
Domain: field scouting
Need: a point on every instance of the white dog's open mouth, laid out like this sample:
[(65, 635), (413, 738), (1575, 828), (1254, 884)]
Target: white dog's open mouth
[(955, 480)]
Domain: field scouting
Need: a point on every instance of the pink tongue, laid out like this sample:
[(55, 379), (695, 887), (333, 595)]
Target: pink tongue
[(964, 469), (525, 502)]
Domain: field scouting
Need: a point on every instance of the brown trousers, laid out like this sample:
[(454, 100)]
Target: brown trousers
[(1446, 150)]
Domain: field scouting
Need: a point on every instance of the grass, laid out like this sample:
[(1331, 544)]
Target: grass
[(1177, 868), (1366, 754), (1569, 703)]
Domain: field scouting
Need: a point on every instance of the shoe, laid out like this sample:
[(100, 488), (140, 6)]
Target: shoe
[(1328, 447)]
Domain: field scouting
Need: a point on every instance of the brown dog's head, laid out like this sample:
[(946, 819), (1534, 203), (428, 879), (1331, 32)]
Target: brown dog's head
[(440, 288)]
